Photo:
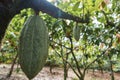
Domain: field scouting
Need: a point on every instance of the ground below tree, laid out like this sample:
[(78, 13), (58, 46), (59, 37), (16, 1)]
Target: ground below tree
[(56, 75)]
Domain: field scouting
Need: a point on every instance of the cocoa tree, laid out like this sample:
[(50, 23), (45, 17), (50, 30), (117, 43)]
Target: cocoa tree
[(9, 8)]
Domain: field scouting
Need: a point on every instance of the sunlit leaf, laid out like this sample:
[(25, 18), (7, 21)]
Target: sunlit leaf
[(76, 6)]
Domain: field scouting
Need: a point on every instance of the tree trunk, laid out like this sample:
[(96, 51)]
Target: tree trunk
[(111, 69), (4, 20)]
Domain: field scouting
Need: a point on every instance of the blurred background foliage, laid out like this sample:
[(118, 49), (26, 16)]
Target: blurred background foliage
[(100, 37)]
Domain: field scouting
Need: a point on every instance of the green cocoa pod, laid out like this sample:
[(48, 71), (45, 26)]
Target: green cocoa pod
[(76, 32), (33, 46)]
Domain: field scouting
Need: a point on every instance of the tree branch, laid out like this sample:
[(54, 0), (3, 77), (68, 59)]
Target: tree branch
[(75, 59), (47, 7), (68, 63)]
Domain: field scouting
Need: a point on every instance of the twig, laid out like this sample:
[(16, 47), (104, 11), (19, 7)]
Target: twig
[(60, 44), (107, 20), (11, 69)]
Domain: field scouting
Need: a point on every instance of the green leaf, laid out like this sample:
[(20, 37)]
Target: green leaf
[(76, 6)]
